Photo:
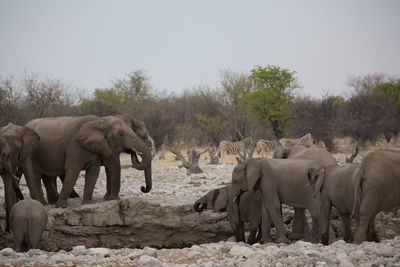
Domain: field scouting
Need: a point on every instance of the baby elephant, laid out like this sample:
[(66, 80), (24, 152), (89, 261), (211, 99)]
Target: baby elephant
[(221, 199), (28, 220)]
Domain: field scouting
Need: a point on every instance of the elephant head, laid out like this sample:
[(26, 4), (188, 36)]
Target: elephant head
[(316, 178), (281, 153), (109, 136), (245, 176), (216, 199), (16, 147)]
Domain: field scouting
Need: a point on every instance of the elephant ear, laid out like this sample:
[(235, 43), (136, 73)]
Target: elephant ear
[(316, 177), (30, 140), (253, 173), (91, 137), (221, 200), (136, 125)]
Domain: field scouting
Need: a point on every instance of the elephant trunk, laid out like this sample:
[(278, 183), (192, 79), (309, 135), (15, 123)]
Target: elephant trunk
[(147, 176)]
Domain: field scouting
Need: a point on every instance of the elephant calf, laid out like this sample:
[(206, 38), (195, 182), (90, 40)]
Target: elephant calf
[(28, 220), (221, 199), (334, 186)]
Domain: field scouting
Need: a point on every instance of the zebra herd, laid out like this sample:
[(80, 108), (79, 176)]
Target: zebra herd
[(262, 146)]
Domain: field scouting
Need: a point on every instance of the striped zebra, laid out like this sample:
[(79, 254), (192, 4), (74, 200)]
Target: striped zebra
[(228, 147), (264, 146), (306, 140)]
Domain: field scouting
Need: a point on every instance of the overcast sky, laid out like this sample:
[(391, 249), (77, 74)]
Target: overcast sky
[(182, 44)]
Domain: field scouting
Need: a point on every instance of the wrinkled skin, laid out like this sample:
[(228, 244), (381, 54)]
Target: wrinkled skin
[(377, 189), (279, 181), (28, 220), (140, 129), (16, 146), (71, 144), (312, 152), (221, 199), (334, 186)]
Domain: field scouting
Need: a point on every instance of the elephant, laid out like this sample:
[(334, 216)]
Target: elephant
[(334, 186), (16, 146), (279, 181), (70, 144), (221, 199), (312, 152), (140, 129), (28, 220), (377, 188), (301, 152)]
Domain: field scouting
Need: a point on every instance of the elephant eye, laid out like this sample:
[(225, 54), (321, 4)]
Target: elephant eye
[(121, 133)]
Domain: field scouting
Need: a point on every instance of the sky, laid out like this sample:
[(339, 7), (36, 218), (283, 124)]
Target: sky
[(184, 44)]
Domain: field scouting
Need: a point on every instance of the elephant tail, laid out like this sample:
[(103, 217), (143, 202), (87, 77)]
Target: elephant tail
[(359, 178), (28, 235)]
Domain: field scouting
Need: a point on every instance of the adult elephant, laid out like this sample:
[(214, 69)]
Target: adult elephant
[(279, 181), (301, 152), (16, 146), (334, 186), (377, 189), (139, 127), (221, 199), (71, 144)]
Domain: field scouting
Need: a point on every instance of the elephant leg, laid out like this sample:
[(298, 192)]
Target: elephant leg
[(9, 198), (71, 175), (90, 182), (19, 240), (273, 209), (51, 189), (17, 189), (73, 194), (367, 211), (259, 234), (33, 181), (112, 166), (371, 233), (252, 236), (348, 235), (298, 224), (325, 215), (265, 228)]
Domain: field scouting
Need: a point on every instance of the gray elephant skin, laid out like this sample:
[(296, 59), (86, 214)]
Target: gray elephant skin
[(377, 189), (28, 220), (221, 199), (301, 152), (70, 144), (16, 146), (279, 181), (334, 186)]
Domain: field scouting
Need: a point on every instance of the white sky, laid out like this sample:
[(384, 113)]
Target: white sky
[(182, 44)]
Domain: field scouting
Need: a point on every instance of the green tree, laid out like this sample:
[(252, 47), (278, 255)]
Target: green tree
[(270, 101), (390, 90), (211, 127)]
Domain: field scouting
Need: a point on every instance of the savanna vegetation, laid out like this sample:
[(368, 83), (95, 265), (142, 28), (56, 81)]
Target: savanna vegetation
[(264, 103)]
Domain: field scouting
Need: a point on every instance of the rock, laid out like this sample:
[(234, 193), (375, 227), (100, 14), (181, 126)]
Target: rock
[(7, 252), (148, 261), (385, 251), (99, 252), (241, 251), (250, 263), (62, 258), (34, 252), (79, 250)]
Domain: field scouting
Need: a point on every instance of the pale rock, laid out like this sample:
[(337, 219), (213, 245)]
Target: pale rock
[(390, 233), (209, 264), (79, 250), (194, 255), (344, 260), (148, 261), (35, 251), (62, 258), (73, 219), (150, 251), (99, 252), (385, 251), (241, 251), (250, 263), (320, 264), (7, 252)]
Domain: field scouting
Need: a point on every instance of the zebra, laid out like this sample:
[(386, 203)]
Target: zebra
[(264, 146), (306, 140), (239, 147)]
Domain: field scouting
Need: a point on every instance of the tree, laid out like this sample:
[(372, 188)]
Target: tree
[(270, 101), (391, 90), (212, 128), (10, 101)]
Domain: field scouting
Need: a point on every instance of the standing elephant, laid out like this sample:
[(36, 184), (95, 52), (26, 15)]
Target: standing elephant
[(16, 146), (221, 199), (377, 189), (279, 181), (334, 186), (28, 220), (301, 152), (71, 144)]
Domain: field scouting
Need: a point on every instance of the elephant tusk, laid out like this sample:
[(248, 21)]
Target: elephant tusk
[(15, 177)]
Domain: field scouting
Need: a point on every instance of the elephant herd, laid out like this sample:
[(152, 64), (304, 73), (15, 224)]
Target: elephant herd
[(47, 148), (307, 178)]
